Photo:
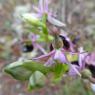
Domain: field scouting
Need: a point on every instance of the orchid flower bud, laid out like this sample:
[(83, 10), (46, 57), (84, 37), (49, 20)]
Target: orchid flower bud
[(31, 18)]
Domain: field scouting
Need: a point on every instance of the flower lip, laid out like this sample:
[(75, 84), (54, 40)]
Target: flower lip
[(75, 63), (51, 47), (66, 43), (92, 69), (27, 47)]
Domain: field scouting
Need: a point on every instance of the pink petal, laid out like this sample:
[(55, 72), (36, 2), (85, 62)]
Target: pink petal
[(82, 57), (41, 4), (46, 5), (56, 22), (74, 70), (44, 58), (49, 62)]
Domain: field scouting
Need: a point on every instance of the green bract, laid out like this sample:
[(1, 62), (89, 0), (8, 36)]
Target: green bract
[(22, 70)]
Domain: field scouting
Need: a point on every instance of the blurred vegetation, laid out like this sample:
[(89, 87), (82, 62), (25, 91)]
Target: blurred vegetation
[(79, 15)]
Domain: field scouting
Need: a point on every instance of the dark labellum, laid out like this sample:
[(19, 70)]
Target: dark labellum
[(66, 44), (91, 68), (28, 48), (75, 63), (51, 47)]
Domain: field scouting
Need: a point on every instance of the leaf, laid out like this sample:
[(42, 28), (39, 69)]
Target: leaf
[(44, 29), (36, 66), (58, 70), (17, 71), (22, 70), (36, 80)]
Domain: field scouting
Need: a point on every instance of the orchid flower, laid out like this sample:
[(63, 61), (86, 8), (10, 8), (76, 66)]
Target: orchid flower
[(32, 45), (58, 54), (67, 43), (79, 64), (55, 55), (42, 9)]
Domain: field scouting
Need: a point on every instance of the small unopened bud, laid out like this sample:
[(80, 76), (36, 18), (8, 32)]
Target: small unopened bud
[(30, 18), (86, 74)]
